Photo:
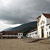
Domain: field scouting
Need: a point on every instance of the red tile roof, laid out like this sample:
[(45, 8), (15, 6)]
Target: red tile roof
[(11, 32), (46, 15)]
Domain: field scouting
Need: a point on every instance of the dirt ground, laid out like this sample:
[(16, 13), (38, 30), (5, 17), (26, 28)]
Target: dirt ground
[(21, 44)]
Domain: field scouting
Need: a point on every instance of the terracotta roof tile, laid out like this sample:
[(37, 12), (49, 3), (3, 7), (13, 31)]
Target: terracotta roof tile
[(46, 15), (11, 32)]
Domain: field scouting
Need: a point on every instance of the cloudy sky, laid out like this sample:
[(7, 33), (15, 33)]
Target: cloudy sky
[(22, 11)]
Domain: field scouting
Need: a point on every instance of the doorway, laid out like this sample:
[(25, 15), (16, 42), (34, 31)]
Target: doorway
[(42, 31)]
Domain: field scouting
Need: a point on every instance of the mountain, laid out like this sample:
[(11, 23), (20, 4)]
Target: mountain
[(24, 27)]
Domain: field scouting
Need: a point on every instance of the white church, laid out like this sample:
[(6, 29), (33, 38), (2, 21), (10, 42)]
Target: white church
[(43, 25)]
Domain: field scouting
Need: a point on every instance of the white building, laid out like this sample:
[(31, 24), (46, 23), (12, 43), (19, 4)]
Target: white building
[(20, 35), (43, 25), (32, 34), (11, 34)]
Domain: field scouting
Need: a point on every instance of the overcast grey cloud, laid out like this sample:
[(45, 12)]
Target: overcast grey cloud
[(22, 11)]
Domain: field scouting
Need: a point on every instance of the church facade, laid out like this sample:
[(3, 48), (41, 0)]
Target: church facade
[(43, 25)]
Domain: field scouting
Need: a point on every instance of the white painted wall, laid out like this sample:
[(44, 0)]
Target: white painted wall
[(48, 29), (32, 34), (20, 35), (48, 20), (43, 18)]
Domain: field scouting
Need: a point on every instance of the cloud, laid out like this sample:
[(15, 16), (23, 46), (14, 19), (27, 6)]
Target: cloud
[(5, 26), (48, 0), (22, 11)]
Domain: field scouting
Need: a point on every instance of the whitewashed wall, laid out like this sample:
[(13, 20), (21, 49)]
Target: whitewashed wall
[(43, 18), (48, 29), (20, 35), (48, 20), (32, 34)]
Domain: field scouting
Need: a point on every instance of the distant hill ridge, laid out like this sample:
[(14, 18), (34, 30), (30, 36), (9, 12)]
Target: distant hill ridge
[(24, 27)]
